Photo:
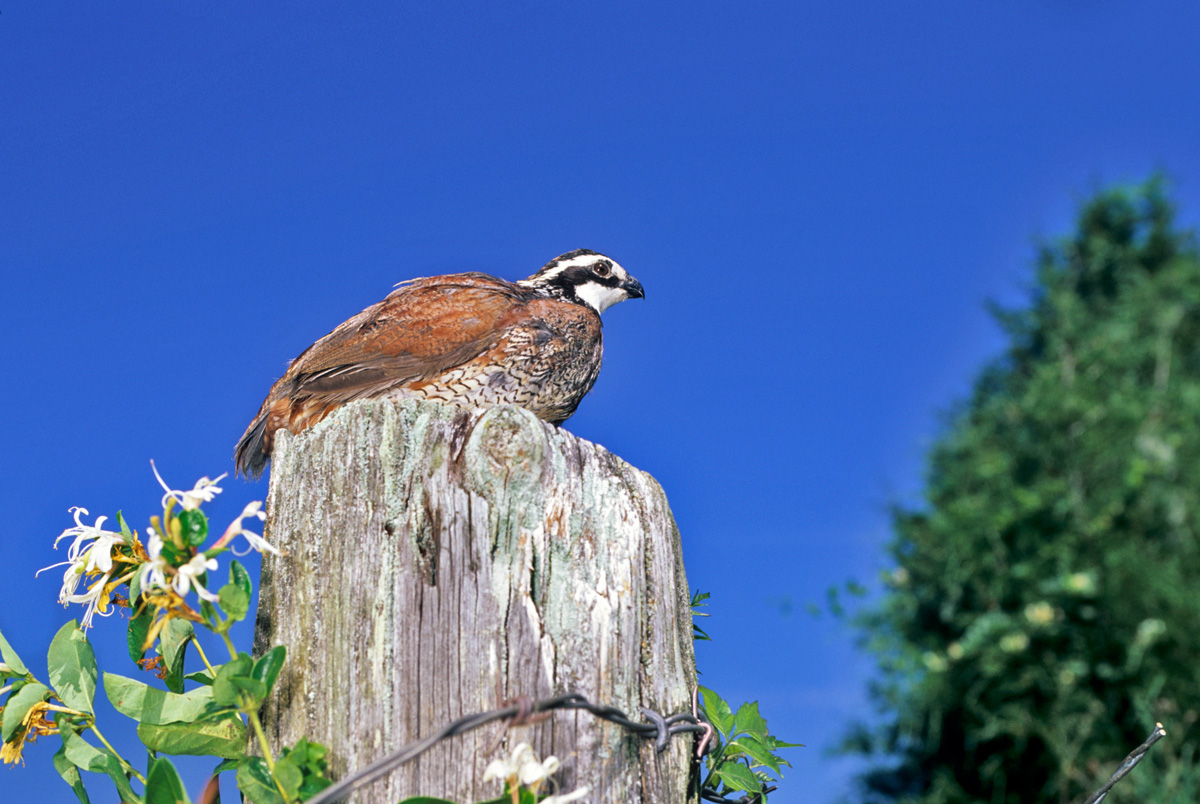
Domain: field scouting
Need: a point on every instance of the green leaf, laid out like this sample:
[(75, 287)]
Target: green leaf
[(209, 612), (84, 755), (18, 705), (124, 526), (226, 765), (754, 749), (139, 628), (316, 751), (174, 641), (289, 775), (773, 743), (202, 676), (738, 777), (224, 690), (193, 527), (70, 774), (748, 720), (219, 738), (234, 601), (146, 704), (135, 584), (255, 782), (72, 665), (239, 577), (10, 657), (717, 711), (313, 784), (267, 668), (163, 785), (252, 686)]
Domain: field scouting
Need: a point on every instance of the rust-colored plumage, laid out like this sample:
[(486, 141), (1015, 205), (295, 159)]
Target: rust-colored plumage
[(467, 339)]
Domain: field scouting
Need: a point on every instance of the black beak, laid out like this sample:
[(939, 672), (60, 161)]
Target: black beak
[(633, 288)]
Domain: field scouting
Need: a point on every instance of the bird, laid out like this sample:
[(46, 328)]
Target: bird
[(470, 340)]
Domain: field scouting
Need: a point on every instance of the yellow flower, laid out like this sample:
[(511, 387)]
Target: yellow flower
[(33, 725), (169, 605)]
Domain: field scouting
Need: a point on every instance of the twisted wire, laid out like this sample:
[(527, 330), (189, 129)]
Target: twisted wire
[(658, 728)]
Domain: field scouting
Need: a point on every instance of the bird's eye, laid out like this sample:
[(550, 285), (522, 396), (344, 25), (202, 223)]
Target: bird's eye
[(601, 269)]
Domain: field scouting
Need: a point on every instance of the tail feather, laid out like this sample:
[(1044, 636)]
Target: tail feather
[(252, 452)]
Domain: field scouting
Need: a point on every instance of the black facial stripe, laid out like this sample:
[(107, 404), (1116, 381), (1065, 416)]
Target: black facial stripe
[(570, 255), (578, 275)]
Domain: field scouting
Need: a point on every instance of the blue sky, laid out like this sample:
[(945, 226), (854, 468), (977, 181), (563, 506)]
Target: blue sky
[(818, 199)]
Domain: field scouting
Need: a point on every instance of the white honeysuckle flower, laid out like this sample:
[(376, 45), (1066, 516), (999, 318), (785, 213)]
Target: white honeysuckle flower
[(189, 575), (499, 769), (83, 557), (156, 575), (533, 773), (522, 768), (204, 491), (71, 579), (95, 599), (5, 689), (574, 795), (235, 529), (508, 769)]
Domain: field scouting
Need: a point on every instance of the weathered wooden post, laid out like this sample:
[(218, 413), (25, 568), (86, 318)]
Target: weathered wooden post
[(439, 563)]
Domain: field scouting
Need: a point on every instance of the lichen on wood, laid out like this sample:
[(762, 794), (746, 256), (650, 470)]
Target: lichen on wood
[(440, 562)]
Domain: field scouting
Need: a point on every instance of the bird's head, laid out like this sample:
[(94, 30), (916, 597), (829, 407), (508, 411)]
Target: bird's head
[(587, 278)]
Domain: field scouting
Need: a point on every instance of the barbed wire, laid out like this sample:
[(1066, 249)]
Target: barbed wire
[(658, 728), (709, 795)]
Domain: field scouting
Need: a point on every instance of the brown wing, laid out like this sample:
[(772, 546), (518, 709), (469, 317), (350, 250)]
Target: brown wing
[(419, 331), (422, 329)]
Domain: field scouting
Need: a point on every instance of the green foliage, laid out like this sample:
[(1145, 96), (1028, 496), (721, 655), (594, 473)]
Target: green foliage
[(72, 666), (213, 718), (1041, 615), (304, 766), (744, 750), (11, 660), (18, 705), (699, 601), (163, 785), (85, 756), (174, 639), (147, 704)]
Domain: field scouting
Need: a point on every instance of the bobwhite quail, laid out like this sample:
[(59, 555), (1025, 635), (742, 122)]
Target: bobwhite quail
[(471, 340)]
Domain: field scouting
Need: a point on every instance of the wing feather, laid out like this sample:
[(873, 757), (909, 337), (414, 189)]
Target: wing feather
[(422, 329)]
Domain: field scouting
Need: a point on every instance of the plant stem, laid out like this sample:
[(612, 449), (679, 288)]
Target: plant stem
[(120, 758), (266, 749), (715, 763), (262, 740), (256, 723), (203, 658), (233, 654), (64, 710)]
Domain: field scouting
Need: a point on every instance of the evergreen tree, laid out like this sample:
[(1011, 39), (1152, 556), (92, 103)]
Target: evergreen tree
[(1045, 607)]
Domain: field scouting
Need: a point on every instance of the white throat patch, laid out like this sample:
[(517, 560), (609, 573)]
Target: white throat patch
[(599, 297)]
